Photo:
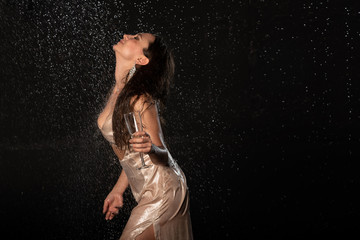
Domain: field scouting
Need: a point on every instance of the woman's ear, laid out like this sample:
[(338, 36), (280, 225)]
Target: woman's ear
[(143, 60)]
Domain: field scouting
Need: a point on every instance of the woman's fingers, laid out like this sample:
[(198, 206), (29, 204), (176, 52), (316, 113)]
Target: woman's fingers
[(141, 148), (140, 136), (144, 139), (112, 204), (106, 205), (141, 144), (108, 214), (112, 215), (120, 203), (113, 211), (140, 133)]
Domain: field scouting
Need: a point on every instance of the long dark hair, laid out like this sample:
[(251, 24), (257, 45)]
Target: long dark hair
[(151, 81)]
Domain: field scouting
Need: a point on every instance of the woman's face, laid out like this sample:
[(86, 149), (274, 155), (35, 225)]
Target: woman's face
[(131, 46)]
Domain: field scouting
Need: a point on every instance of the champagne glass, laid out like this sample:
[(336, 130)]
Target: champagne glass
[(134, 124)]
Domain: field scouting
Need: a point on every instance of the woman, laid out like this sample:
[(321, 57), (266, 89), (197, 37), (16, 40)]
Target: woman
[(144, 68)]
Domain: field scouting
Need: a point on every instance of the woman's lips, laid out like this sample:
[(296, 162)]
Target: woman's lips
[(122, 41)]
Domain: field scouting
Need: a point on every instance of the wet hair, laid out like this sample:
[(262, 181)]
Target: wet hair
[(150, 81)]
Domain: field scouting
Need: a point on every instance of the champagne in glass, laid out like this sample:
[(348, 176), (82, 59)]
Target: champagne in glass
[(134, 124)]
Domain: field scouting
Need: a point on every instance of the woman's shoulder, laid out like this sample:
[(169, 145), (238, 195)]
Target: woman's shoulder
[(141, 101)]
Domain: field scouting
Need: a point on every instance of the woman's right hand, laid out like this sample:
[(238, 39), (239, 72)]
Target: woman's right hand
[(112, 204)]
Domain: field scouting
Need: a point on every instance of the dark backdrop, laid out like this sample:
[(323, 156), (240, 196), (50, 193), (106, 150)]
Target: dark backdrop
[(263, 115)]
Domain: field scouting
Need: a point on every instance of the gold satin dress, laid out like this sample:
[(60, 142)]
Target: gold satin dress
[(161, 193)]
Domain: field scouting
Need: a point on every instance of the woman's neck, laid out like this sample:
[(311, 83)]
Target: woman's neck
[(122, 68)]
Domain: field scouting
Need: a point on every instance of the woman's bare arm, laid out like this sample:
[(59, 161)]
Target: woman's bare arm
[(114, 200), (152, 126), (121, 184)]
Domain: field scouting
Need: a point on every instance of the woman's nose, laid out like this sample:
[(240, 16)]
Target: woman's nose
[(128, 36)]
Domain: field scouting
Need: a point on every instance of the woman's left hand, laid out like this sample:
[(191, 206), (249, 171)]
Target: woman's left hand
[(141, 142)]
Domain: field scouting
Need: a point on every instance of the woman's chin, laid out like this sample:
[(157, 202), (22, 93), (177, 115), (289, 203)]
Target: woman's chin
[(116, 47)]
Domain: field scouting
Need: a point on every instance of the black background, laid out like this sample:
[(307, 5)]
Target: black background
[(263, 115)]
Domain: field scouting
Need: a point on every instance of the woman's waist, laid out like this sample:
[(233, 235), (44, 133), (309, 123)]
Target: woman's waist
[(131, 163), (155, 176), (120, 153)]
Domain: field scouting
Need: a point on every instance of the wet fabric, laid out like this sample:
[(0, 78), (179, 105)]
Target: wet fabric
[(161, 193)]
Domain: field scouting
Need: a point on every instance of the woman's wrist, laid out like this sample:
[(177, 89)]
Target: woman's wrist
[(117, 192), (152, 149)]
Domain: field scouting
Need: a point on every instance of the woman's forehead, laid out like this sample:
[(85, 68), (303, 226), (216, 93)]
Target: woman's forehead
[(147, 36)]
